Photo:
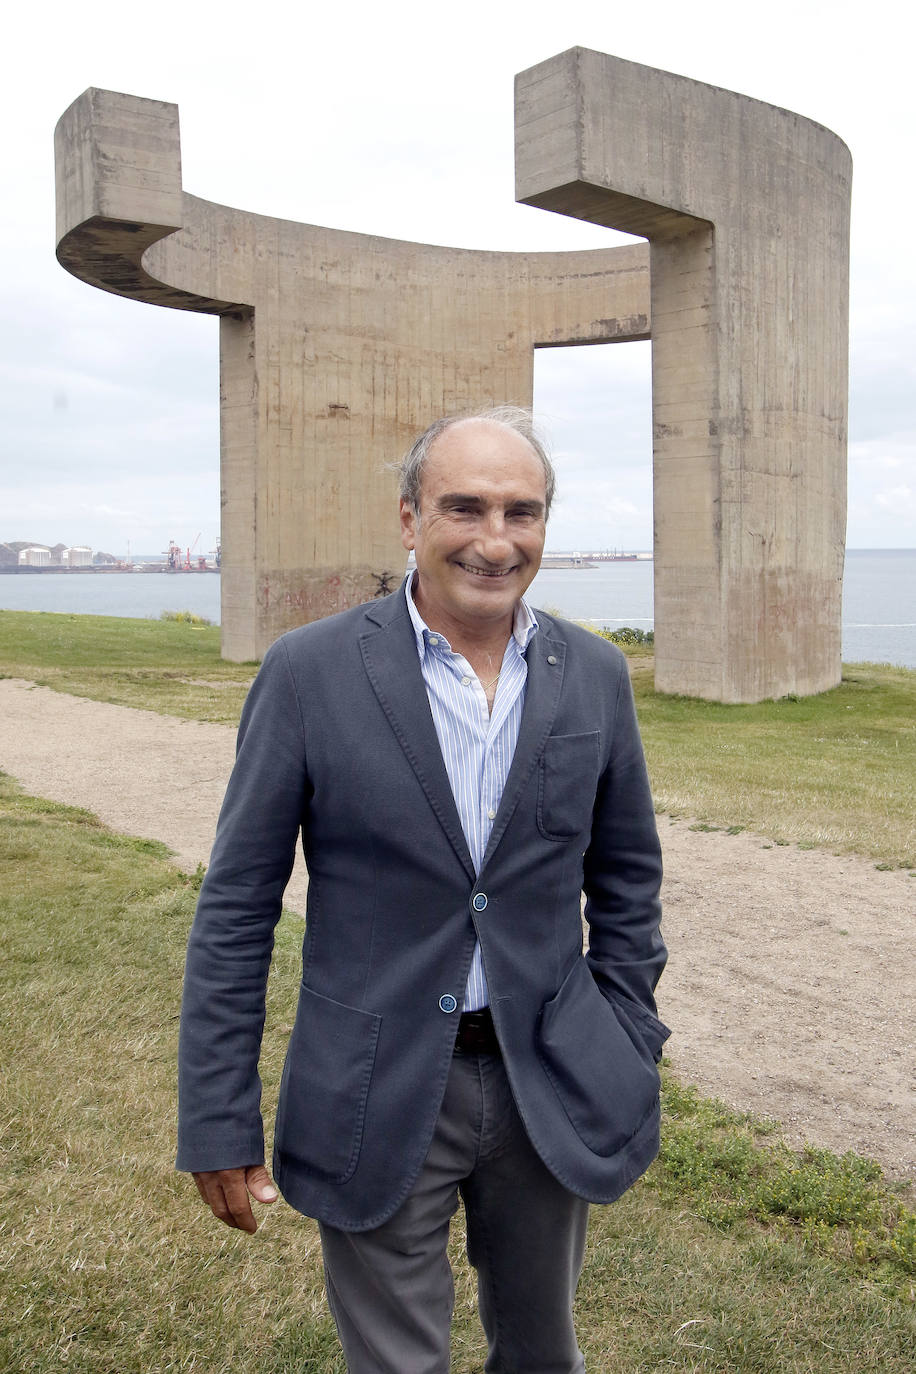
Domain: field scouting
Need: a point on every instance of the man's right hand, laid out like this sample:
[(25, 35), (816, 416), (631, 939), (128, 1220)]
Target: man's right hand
[(226, 1193)]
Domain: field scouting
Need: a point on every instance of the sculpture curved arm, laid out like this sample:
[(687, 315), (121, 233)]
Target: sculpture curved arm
[(118, 173)]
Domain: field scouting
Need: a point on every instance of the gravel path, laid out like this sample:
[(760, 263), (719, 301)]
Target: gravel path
[(790, 987)]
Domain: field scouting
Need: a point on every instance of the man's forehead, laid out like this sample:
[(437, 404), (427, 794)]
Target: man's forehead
[(477, 430), (478, 454)]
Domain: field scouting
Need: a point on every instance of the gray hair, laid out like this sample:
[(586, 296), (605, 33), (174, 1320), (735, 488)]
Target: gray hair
[(516, 418)]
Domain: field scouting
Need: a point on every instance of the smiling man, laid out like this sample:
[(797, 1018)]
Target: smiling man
[(461, 769), (479, 539)]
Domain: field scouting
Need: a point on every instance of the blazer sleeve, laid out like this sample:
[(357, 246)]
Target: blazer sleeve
[(231, 941), (622, 877)]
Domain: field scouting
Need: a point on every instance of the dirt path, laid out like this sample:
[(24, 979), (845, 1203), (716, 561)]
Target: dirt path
[(790, 986)]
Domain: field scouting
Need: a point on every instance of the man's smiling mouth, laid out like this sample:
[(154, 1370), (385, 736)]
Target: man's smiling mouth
[(485, 572)]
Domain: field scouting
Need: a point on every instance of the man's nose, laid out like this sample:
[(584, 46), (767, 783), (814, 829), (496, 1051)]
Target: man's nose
[(494, 539)]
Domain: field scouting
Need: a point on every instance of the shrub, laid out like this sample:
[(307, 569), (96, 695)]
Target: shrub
[(185, 618), (626, 634)]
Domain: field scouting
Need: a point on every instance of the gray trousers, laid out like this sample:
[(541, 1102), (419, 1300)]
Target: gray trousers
[(390, 1290)]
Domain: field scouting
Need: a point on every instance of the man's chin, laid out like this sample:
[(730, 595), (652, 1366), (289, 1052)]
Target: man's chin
[(492, 605), (492, 588)]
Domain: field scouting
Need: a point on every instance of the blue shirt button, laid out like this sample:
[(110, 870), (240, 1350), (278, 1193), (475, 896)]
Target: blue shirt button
[(480, 901), (448, 1003)]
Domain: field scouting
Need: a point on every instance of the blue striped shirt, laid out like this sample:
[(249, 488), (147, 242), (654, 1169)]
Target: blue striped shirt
[(477, 745)]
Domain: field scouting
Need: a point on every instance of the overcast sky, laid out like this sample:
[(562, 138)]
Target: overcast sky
[(398, 120)]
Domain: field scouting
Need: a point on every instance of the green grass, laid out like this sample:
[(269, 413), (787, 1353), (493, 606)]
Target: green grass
[(734, 1254), (837, 770), (172, 665)]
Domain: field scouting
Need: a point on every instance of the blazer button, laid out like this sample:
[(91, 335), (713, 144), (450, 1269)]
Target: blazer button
[(480, 901), (448, 1003)]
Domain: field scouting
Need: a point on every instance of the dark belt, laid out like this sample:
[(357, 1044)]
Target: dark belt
[(476, 1034)]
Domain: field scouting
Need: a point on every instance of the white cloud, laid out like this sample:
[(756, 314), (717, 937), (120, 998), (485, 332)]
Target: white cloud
[(900, 500), (110, 513)]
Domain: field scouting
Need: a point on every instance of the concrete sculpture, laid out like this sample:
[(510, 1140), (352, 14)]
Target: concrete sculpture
[(336, 348)]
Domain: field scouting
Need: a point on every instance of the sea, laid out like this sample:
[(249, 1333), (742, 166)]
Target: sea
[(879, 598)]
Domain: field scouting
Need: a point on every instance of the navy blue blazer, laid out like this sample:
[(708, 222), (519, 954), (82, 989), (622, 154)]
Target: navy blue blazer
[(337, 740)]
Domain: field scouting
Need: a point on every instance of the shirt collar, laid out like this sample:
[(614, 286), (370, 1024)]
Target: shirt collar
[(524, 625)]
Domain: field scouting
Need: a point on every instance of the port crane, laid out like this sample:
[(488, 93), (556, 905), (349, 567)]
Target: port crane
[(178, 562)]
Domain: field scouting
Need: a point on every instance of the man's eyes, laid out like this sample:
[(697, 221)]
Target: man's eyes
[(523, 513)]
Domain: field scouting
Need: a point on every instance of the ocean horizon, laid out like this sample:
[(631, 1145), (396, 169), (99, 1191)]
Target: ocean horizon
[(879, 597)]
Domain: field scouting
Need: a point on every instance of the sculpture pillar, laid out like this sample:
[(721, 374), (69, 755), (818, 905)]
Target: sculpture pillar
[(746, 209)]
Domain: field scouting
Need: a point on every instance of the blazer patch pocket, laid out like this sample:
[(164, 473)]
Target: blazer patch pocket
[(605, 1077), (325, 1085), (567, 779)]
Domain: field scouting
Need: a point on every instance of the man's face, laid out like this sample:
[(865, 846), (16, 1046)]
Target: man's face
[(480, 532)]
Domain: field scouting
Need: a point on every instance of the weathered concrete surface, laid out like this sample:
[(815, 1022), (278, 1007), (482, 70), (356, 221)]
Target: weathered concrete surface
[(746, 208), (335, 350)]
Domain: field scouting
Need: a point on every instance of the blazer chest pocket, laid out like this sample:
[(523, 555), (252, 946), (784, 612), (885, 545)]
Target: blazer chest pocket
[(567, 779), (603, 1073), (325, 1085)]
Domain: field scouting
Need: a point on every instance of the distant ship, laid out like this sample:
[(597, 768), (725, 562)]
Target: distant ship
[(588, 560)]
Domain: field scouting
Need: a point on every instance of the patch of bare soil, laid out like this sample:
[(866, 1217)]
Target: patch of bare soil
[(790, 987)]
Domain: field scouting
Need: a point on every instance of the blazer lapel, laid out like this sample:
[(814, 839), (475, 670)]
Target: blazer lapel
[(389, 650), (546, 658)]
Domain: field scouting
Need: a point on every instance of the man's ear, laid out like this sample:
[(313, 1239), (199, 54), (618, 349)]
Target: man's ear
[(410, 519)]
